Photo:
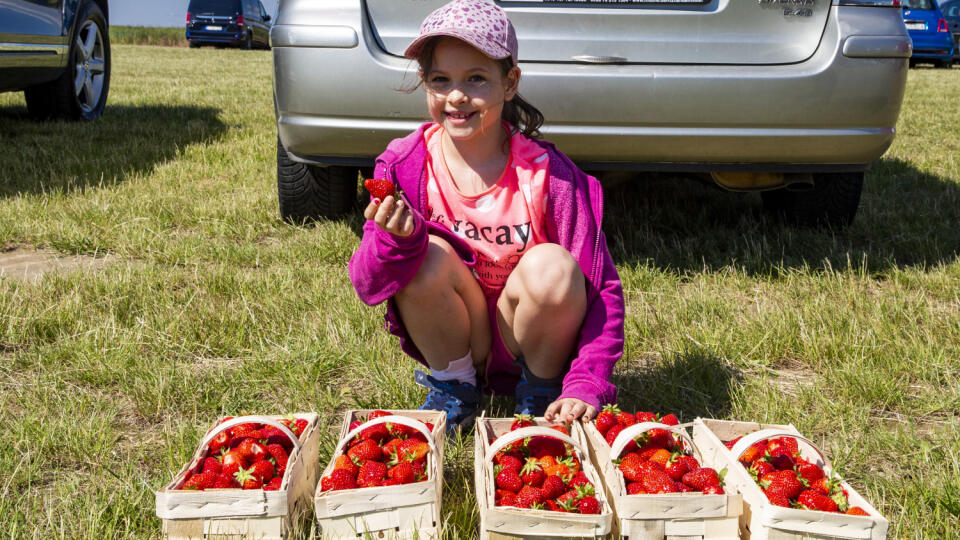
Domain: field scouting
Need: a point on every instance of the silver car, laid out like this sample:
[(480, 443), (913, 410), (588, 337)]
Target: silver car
[(792, 97)]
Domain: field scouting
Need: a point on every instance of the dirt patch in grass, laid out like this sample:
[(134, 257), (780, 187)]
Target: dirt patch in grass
[(27, 264)]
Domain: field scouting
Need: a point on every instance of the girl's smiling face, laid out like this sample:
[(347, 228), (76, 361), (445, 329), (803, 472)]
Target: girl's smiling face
[(466, 90)]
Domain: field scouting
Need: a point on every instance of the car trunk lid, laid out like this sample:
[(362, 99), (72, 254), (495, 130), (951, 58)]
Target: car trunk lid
[(662, 32)]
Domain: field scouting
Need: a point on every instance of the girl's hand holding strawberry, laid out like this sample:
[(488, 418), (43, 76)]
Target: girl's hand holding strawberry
[(391, 214)]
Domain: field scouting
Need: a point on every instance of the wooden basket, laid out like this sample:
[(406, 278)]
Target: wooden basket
[(505, 522), (243, 513), (764, 521), (676, 515), (404, 511)]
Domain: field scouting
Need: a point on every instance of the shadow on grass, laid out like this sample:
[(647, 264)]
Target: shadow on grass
[(58, 155), (689, 383), (907, 218)]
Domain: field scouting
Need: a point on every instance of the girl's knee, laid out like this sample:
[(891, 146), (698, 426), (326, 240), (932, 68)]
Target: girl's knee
[(551, 274), (438, 267)]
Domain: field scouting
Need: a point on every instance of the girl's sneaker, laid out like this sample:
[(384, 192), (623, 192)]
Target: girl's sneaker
[(460, 400), (534, 400)]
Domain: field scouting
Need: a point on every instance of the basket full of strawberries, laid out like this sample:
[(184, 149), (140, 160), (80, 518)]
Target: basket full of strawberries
[(251, 476), (534, 479), (789, 483), (385, 476), (660, 484)]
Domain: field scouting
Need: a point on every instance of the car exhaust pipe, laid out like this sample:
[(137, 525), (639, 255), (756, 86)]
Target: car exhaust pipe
[(763, 181), (798, 182)]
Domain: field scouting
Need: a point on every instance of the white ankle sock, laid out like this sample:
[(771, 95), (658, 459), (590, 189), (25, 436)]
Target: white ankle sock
[(461, 370)]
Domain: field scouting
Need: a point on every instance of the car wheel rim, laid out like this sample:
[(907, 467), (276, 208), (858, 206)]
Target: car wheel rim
[(91, 66)]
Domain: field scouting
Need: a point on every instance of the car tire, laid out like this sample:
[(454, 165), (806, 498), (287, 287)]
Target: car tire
[(248, 41), (831, 202), (945, 64), (88, 65), (194, 44), (309, 193)]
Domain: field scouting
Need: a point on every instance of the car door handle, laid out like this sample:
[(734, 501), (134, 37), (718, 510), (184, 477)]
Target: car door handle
[(591, 59)]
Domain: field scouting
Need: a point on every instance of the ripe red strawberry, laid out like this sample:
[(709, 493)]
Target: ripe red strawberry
[(505, 498), (201, 481), (252, 450), (657, 481), (856, 511), (631, 467), (562, 428), (635, 488), (378, 412), (263, 470), (240, 436), (509, 461), (300, 425), (781, 462), (701, 478), (509, 480), (529, 496), (412, 449), (692, 463), (377, 433), (783, 446), (212, 465), (402, 472), (676, 467), (777, 499), (379, 188), (568, 497), (606, 418), (625, 419), (389, 448), (645, 416), (588, 505), (813, 500), (420, 469), (532, 474), (809, 471), (612, 434), (521, 420), (401, 431), (683, 488), (670, 420), (273, 484), (344, 462), (219, 441), (365, 450), (546, 446), (337, 480), (713, 490), (577, 480), (225, 481), (760, 468), (553, 487), (753, 452), (247, 479), (660, 456), (231, 462), (783, 482), (371, 474)]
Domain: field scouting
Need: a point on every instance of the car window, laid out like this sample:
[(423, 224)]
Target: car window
[(214, 6), (918, 4), (950, 9)]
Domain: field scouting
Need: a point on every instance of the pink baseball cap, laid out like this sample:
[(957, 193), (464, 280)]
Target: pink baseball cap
[(480, 23)]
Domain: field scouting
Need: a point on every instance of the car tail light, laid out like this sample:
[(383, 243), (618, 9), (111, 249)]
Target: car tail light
[(188, 17), (239, 20), (942, 25)]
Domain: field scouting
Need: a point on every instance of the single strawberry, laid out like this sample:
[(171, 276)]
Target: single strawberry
[(656, 481), (402, 472), (568, 497), (553, 487), (813, 500), (273, 484), (809, 472), (212, 465), (777, 499), (625, 419), (632, 467), (670, 420), (701, 478), (588, 505), (578, 479), (783, 482), (856, 511), (753, 452), (278, 453), (377, 433), (343, 461), (660, 456), (247, 479), (528, 496), (546, 446), (365, 450), (645, 416), (419, 469), (263, 470), (509, 461), (400, 431), (532, 474), (692, 463), (379, 188), (509, 480), (635, 488), (252, 450), (377, 413), (783, 446), (412, 449), (337, 480), (760, 468), (225, 481), (562, 428), (371, 474), (521, 420), (219, 441), (507, 499), (389, 448), (200, 481), (606, 418), (683, 488), (676, 467), (612, 434), (713, 490), (232, 461)]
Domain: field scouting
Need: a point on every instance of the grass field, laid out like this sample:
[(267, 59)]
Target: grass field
[(212, 305), (148, 35)]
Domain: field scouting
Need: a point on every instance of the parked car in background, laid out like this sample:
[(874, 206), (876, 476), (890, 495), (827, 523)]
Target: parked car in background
[(242, 23), (58, 53), (805, 92), (951, 12), (932, 40)]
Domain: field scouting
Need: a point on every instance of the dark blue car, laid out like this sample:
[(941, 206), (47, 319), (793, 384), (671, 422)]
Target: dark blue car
[(951, 12), (932, 40), (58, 53), (239, 23)]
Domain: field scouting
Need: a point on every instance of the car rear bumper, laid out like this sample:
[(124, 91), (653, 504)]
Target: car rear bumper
[(215, 37), (938, 45), (836, 110)]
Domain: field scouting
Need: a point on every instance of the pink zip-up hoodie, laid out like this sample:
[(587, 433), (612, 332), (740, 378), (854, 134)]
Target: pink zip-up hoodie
[(384, 264)]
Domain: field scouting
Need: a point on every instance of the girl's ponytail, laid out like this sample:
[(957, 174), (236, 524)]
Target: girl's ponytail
[(523, 117)]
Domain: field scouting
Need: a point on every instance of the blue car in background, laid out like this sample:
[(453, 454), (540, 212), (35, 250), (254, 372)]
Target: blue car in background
[(242, 23), (932, 40), (951, 12)]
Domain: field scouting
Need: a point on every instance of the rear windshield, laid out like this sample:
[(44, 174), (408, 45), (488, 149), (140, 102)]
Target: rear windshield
[(214, 6), (918, 4), (950, 9)]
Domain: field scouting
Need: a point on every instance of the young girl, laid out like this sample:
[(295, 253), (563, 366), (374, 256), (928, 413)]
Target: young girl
[(491, 258)]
